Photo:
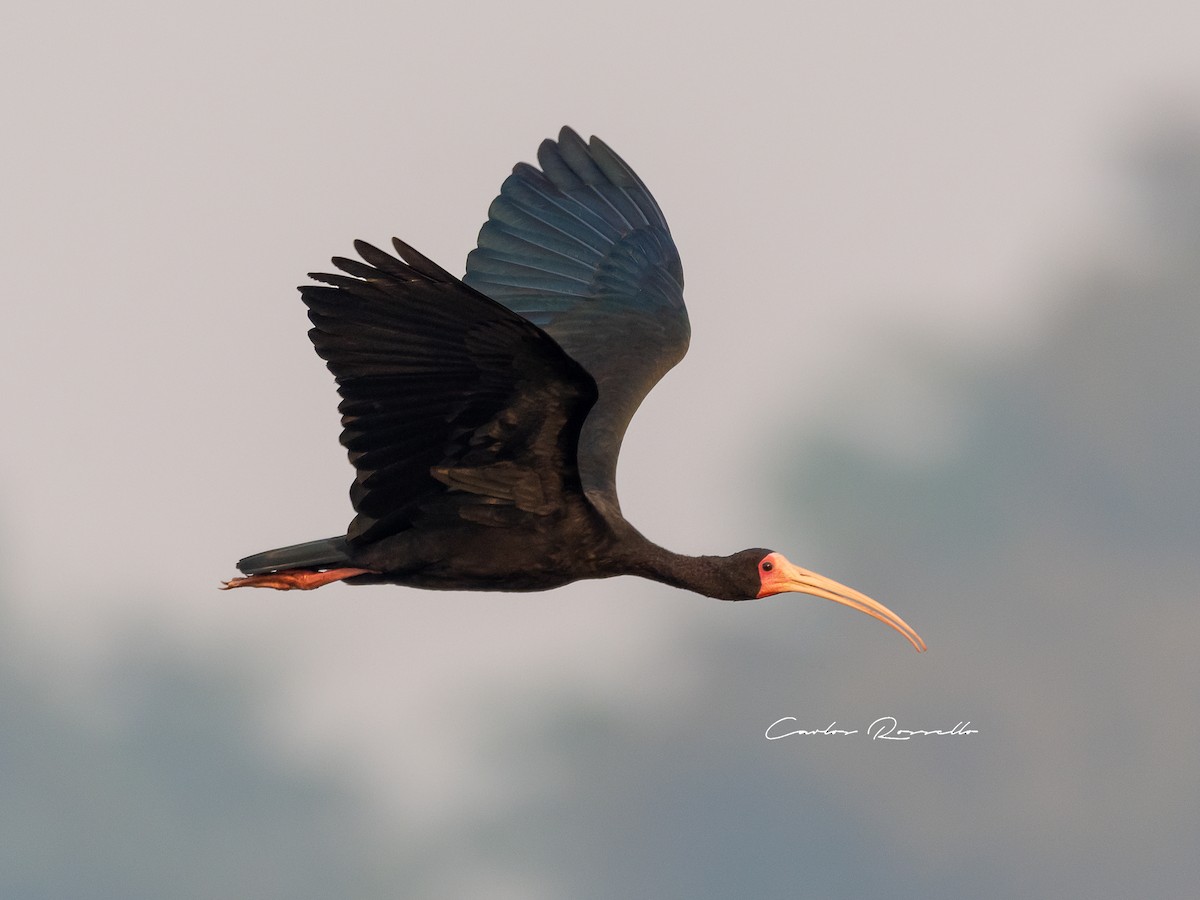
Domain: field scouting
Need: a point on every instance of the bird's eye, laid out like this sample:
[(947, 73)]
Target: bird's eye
[(767, 566)]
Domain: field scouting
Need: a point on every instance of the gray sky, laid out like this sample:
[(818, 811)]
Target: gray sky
[(865, 197)]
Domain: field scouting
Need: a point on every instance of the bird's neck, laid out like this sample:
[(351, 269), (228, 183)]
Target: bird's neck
[(705, 575)]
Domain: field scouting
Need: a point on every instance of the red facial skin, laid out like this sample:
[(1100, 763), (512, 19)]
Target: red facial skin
[(772, 575)]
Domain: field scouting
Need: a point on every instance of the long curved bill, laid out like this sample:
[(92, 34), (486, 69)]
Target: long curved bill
[(789, 577)]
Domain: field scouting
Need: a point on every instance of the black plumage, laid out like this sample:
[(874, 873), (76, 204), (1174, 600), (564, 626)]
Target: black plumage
[(484, 417)]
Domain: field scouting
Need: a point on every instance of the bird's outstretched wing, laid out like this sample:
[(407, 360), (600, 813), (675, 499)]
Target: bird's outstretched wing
[(581, 249), (452, 404)]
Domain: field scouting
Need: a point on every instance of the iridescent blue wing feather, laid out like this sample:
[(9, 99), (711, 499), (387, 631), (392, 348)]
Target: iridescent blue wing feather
[(581, 249)]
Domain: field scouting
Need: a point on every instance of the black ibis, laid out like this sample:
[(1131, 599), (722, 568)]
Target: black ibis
[(484, 416)]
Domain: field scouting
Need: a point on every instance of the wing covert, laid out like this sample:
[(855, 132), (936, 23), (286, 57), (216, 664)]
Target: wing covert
[(452, 404)]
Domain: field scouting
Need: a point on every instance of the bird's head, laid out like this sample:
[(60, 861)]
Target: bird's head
[(773, 574)]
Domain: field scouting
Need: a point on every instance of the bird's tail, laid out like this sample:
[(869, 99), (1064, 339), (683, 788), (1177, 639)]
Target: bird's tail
[(323, 554)]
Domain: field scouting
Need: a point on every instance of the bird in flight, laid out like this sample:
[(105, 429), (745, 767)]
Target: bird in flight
[(484, 416)]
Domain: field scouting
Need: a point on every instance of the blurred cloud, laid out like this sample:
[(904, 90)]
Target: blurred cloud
[(1055, 554), (165, 785)]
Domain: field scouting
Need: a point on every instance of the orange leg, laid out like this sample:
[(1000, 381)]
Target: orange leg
[(294, 579)]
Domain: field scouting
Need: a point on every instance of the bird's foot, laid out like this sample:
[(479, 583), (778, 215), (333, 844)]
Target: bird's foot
[(294, 579)]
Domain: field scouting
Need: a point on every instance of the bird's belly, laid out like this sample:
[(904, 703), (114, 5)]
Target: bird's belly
[(482, 581), (493, 562)]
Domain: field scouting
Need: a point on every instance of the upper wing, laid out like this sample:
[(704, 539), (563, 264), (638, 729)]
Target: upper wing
[(452, 405), (582, 250)]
